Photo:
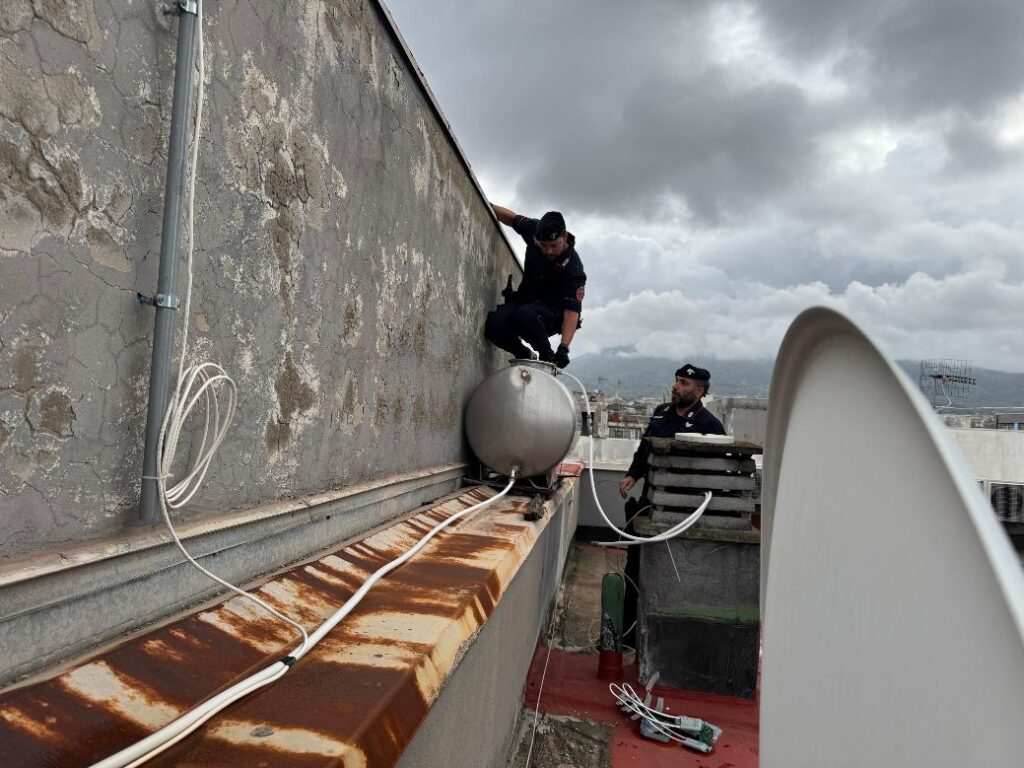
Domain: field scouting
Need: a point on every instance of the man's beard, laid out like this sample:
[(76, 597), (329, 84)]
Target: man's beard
[(682, 401)]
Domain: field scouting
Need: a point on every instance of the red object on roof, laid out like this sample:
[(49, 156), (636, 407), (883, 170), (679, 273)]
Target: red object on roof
[(570, 468)]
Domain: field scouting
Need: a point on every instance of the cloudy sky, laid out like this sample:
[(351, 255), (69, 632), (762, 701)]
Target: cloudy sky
[(726, 164)]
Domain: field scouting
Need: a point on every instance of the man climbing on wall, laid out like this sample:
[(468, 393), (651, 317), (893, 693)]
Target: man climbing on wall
[(549, 300)]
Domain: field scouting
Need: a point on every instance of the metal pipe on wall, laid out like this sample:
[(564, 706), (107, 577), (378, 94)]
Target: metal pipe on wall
[(166, 300)]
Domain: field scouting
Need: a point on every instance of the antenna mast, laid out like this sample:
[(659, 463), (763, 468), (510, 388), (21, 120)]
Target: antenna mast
[(943, 380)]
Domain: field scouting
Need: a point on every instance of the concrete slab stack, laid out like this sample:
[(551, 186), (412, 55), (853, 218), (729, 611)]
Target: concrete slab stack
[(699, 622), (683, 470)]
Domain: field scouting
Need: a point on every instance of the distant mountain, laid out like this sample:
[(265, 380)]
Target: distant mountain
[(629, 375), (994, 388), (624, 373)]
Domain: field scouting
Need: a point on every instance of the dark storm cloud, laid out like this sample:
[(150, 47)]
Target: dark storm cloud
[(739, 161), (613, 106), (704, 137), (912, 56), (974, 149)]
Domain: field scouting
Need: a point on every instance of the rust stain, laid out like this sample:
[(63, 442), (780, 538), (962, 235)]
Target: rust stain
[(101, 684), (355, 701)]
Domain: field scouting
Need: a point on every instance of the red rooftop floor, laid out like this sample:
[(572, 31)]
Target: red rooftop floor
[(572, 688)]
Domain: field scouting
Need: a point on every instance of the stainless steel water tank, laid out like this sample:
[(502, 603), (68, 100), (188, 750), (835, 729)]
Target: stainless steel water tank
[(522, 417)]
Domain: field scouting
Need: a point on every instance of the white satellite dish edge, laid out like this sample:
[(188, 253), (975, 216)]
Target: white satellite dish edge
[(892, 601)]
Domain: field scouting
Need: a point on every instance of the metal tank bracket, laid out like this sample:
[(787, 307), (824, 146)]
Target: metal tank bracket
[(535, 509)]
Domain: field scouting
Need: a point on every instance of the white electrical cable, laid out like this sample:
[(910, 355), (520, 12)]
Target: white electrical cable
[(677, 529), (540, 688), (173, 732), (198, 383), (631, 701)]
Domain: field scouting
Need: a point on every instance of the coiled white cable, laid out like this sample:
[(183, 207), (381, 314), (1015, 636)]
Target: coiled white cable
[(202, 383), (633, 540), (197, 384)]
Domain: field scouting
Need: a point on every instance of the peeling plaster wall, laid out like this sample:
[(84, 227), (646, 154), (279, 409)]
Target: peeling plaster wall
[(344, 259)]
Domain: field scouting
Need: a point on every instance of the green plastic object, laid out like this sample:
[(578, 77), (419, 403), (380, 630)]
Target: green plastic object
[(613, 593)]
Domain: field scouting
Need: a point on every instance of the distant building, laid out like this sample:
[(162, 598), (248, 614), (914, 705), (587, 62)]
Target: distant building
[(1014, 421)]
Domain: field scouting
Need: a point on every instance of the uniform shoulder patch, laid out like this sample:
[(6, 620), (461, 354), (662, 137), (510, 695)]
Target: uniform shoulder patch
[(581, 292)]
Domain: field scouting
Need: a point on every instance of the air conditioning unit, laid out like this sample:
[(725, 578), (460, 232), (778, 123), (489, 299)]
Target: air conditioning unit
[(1007, 501)]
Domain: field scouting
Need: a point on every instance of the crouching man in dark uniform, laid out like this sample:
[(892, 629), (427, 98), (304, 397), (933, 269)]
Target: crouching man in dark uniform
[(550, 297), (686, 413)]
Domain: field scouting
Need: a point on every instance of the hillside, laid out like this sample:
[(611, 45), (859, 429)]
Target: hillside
[(621, 373)]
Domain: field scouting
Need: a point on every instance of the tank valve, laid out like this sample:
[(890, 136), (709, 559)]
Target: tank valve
[(524, 375)]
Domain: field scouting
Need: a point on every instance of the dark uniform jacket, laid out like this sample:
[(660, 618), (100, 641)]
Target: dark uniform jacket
[(665, 422), (558, 283)]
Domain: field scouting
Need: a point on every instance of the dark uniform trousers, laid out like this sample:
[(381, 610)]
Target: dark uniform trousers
[(533, 323)]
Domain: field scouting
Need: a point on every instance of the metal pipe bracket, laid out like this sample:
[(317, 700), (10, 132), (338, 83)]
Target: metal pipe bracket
[(165, 300)]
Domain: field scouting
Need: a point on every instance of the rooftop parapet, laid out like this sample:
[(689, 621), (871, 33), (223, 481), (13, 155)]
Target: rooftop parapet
[(359, 697)]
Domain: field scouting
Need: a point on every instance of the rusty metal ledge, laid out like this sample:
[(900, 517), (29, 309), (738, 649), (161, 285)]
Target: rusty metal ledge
[(65, 603), (356, 700)]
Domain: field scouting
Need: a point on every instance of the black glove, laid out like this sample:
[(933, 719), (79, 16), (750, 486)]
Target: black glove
[(562, 356), (546, 355)]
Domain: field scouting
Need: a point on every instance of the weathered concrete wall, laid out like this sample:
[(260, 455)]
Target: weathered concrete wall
[(344, 258), (698, 612), (993, 454), (745, 418)]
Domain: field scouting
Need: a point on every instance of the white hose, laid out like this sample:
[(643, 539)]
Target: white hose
[(197, 384), (672, 532), (178, 729)]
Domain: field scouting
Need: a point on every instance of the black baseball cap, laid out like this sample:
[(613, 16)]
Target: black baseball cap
[(551, 226), (700, 375)]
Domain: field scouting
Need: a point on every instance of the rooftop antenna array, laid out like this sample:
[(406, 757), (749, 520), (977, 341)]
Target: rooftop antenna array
[(943, 380)]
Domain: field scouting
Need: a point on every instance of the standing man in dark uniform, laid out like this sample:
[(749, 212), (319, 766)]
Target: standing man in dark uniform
[(550, 297), (686, 413)]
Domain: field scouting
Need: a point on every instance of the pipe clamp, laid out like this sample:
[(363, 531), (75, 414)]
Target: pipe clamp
[(165, 300)]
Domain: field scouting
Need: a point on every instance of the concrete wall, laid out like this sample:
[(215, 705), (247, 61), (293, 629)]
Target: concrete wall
[(609, 452), (698, 610), (344, 262), (612, 456), (607, 484), (745, 418), (993, 454)]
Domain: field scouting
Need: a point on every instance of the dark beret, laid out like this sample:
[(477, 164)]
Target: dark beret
[(700, 375), (550, 226)]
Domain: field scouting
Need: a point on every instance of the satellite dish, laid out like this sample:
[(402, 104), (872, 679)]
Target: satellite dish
[(892, 601)]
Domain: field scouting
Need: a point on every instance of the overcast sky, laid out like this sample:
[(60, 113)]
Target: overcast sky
[(726, 164)]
